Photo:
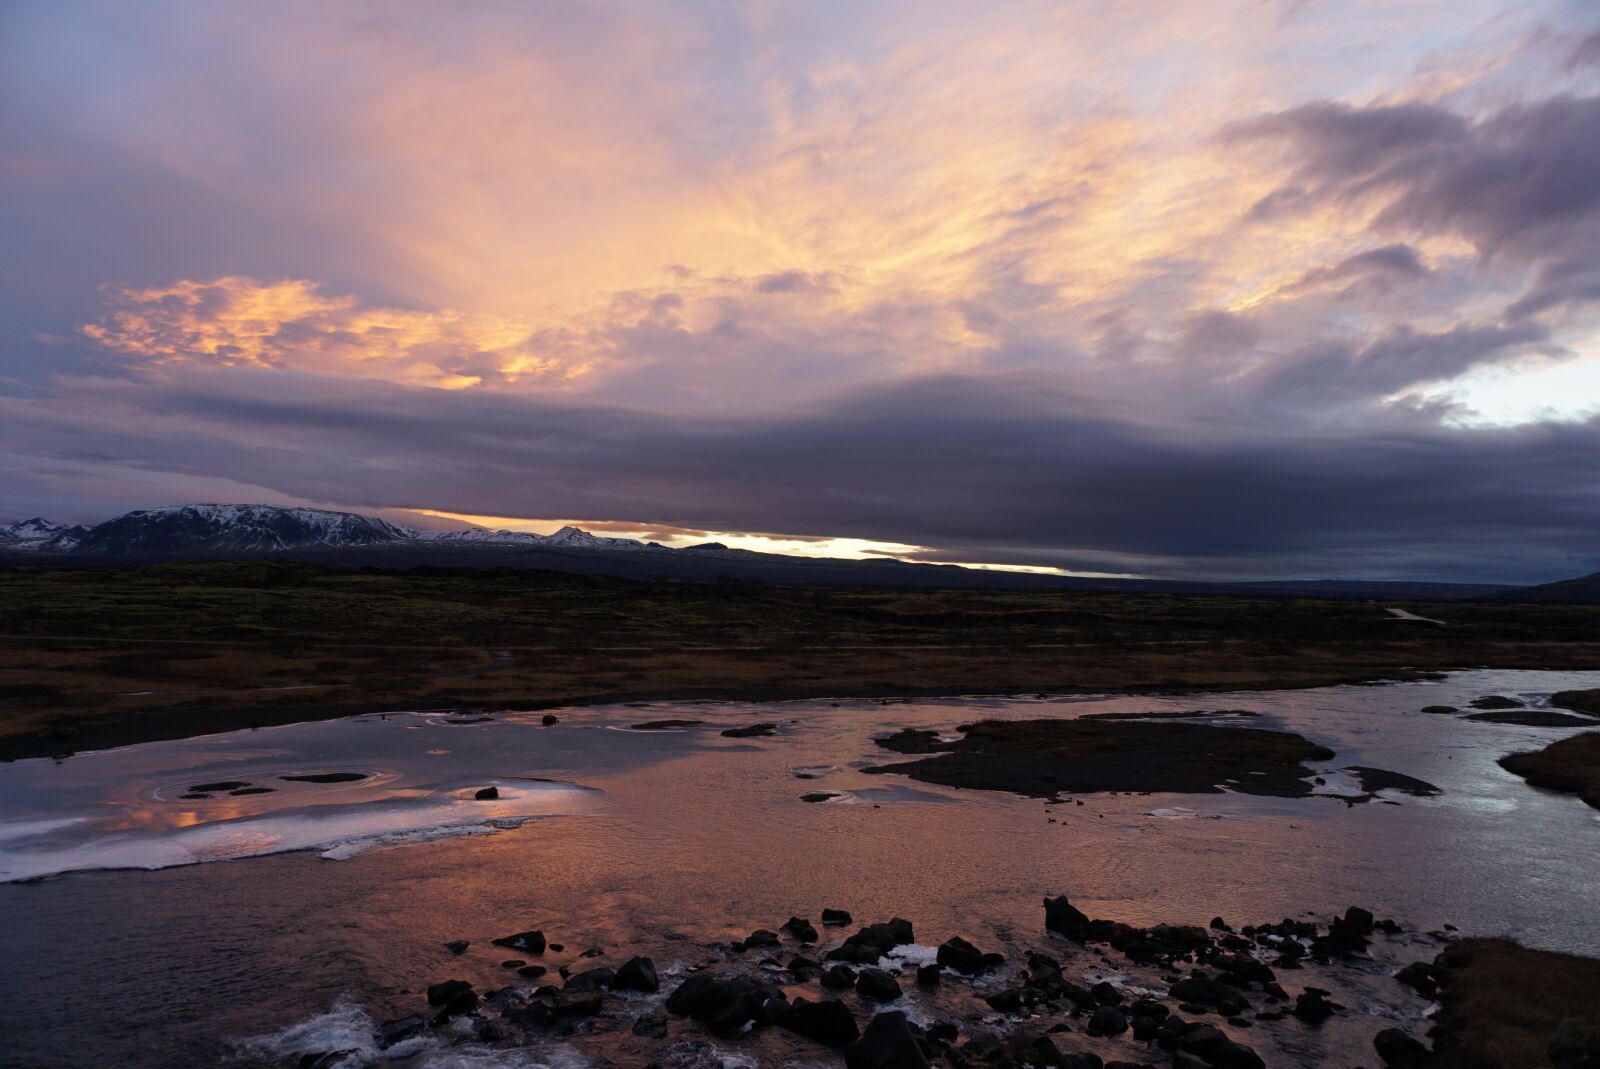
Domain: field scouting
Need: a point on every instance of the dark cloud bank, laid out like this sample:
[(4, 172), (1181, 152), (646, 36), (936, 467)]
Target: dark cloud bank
[(985, 469)]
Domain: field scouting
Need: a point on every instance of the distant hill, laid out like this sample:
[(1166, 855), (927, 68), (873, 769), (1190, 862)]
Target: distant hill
[(1584, 591), (213, 531)]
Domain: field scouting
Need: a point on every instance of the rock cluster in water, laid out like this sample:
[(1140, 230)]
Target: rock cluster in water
[(1218, 982)]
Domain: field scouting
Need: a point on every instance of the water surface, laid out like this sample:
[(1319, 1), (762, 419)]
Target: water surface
[(180, 927)]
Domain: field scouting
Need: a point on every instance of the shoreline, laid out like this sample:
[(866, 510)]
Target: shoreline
[(66, 736)]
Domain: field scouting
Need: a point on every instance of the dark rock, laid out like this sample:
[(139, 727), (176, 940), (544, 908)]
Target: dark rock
[(532, 972), (592, 980), (637, 974), (872, 942), (1106, 994), (540, 1013), (833, 918), (1107, 1021), (1488, 701), (547, 720), (928, 977), (326, 1059), (1220, 925), (725, 1006), (803, 968), (839, 976), (1440, 709), (753, 731), (820, 796), (651, 1026), (1243, 969), (459, 1003), (220, 785), (801, 929), (250, 790), (1145, 1028), (1313, 1007), (531, 941), (1399, 1050), (487, 794), (400, 1029), (962, 956), (1201, 991), (876, 984), (665, 725), (888, 1043), (1066, 919), (829, 1022), (514, 963), (1029, 1048), (441, 993), (592, 952), (457, 946), (581, 1003), (761, 937), (1215, 1047), (1008, 1000)]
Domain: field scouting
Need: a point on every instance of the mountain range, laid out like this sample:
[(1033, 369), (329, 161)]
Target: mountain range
[(349, 538), (255, 529)]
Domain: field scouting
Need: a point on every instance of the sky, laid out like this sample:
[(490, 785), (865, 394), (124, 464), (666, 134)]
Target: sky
[(1240, 289)]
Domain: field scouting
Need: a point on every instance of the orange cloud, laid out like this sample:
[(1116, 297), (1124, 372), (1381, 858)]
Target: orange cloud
[(292, 325)]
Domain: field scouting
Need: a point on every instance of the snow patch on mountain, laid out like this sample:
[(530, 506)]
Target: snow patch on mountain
[(220, 528), (40, 534)]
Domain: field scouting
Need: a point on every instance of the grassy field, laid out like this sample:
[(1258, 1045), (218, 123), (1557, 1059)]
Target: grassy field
[(92, 657)]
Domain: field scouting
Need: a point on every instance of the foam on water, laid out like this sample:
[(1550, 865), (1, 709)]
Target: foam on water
[(348, 1028)]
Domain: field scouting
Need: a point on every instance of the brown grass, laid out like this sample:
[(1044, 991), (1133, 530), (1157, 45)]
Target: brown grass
[(1570, 765), (1501, 1003)]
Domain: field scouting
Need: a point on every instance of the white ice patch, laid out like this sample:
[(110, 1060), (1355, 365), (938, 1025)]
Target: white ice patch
[(349, 1028), (913, 955), (1176, 812), (339, 831)]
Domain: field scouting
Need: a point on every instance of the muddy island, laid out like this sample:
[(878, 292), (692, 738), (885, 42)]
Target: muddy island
[(1047, 758)]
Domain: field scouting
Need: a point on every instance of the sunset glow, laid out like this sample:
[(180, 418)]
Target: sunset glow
[(1243, 236)]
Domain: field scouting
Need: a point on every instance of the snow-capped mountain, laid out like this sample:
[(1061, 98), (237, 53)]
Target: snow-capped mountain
[(213, 529), (39, 533), (235, 529), (568, 537)]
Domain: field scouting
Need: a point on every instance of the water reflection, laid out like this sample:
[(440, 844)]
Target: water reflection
[(678, 840)]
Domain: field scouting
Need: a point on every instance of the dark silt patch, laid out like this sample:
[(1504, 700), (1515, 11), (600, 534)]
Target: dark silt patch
[(1534, 718), (1046, 758), (1192, 714), (1373, 780), (220, 785), (1497, 701), (327, 777), (666, 725)]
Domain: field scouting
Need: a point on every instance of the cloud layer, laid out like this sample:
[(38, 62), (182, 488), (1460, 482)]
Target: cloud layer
[(1132, 287)]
